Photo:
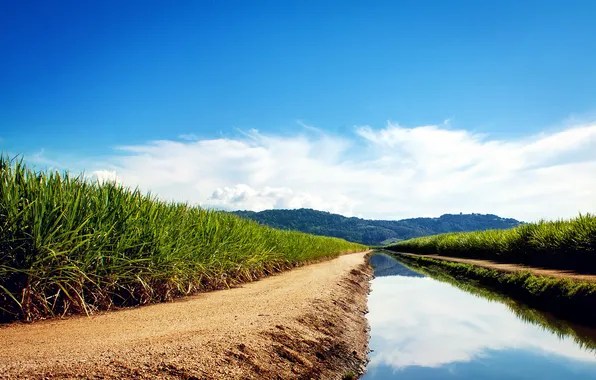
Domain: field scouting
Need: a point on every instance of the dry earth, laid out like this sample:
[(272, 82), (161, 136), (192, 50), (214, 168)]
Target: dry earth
[(306, 323), (507, 267)]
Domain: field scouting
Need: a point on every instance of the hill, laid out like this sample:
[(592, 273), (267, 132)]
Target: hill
[(375, 232)]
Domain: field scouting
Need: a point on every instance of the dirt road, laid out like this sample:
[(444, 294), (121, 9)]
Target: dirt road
[(306, 323), (507, 267)]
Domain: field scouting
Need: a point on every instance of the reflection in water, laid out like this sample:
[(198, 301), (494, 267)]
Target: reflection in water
[(422, 328), (385, 265), (585, 337)]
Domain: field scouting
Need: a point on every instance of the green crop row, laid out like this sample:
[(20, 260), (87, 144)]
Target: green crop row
[(69, 245), (562, 244)]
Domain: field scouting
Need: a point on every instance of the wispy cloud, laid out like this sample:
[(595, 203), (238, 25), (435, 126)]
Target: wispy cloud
[(392, 172)]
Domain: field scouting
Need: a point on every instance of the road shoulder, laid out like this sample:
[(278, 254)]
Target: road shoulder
[(306, 323)]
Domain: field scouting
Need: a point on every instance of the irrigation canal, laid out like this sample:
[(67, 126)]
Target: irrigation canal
[(423, 328)]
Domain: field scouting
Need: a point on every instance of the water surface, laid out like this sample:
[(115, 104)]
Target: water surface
[(422, 328)]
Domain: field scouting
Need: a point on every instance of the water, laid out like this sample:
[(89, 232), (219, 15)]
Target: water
[(422, 328)]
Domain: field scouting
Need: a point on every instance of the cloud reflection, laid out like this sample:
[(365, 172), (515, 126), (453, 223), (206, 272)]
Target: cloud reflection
[(422, 322)]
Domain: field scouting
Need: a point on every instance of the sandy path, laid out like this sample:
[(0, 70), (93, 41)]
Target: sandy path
[(279, 326), (506, 267)]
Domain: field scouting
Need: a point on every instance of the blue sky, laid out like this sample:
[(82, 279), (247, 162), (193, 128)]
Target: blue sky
[(93, 86)]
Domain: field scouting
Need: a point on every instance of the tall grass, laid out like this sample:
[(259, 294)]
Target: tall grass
[(68, 245), (562, 244)]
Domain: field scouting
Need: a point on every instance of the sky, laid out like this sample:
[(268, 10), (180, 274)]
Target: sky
[(377, 109)]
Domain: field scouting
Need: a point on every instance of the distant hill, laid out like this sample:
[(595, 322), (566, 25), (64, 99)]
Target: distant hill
[(374, 232)]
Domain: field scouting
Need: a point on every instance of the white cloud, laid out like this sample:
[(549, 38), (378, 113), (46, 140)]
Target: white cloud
[(244, 197), (105, 176), (393, 172)]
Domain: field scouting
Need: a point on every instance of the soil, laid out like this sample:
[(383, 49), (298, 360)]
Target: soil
[(306, 323), (508, 267)]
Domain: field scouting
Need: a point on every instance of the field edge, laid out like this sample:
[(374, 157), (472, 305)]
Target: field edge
[(571, 300)]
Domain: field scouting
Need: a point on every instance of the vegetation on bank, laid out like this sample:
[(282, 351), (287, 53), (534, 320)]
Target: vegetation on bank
[(374, 232), (68, 245), (562, 244), (565, 298), (583, 336)]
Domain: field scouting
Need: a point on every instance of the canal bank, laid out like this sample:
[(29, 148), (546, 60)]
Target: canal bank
[(569, 296)]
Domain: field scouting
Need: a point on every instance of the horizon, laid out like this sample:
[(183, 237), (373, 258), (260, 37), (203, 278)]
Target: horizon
[(390, 220), (385, 111)]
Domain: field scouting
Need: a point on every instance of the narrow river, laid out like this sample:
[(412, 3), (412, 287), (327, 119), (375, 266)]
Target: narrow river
[(423, 328)]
